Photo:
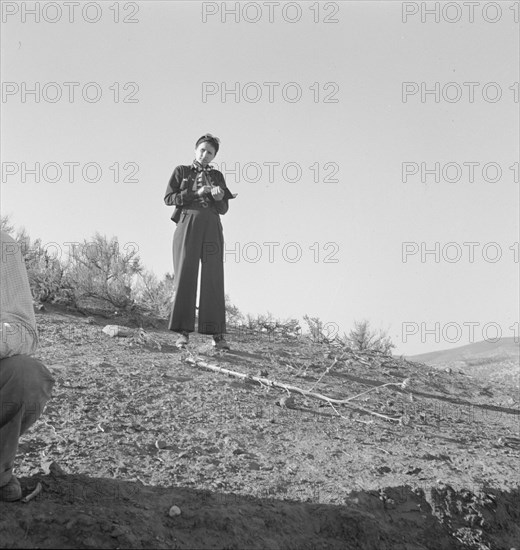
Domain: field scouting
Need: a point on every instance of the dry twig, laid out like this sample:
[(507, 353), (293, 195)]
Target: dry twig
[(34, 494), (327, 370)]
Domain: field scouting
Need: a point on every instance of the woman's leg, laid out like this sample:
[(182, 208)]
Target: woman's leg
[(186, 247), (212, 304)]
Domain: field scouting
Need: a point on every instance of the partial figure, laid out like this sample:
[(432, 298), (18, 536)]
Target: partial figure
[(25, 383), (200, 196)]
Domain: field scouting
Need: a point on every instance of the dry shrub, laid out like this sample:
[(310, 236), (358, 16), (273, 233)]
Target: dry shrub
[(362, 337), (153, 295), (99, 269)]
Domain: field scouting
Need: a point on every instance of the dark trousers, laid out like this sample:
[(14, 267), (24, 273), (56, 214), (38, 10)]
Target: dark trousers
[(25, 387), (198, 240)]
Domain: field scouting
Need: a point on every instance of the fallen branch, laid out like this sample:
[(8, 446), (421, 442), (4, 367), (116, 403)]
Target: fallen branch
[(289, 387), (34, 494), (326, 372)]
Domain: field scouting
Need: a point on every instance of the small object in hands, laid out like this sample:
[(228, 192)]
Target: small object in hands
[(174, 511), (217, 193), (203, 191)]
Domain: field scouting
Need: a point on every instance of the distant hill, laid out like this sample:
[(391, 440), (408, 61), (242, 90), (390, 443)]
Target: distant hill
[(493, 361)]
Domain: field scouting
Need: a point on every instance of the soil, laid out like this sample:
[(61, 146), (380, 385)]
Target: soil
[(136, 427)]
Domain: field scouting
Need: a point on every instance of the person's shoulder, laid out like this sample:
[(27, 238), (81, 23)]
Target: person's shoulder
[(9, 249), (182, 168), (217, 173), (6, 238), (180, 171)]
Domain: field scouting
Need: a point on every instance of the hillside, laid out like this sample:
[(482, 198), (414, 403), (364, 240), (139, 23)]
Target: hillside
[(135, 427), (489, 361)]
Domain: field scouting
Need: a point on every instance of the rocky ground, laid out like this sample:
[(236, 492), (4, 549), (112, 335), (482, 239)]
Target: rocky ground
[(143, 447)]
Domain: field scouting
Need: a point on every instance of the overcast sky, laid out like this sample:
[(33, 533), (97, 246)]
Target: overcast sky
[(374, 148)]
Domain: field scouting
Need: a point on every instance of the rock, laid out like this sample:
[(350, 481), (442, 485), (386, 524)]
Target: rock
[(287, 402), (53, 468), (406, 383), (160, 444), (174, 511), (117, 330)]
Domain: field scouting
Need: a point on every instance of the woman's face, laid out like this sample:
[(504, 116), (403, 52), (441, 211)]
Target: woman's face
[(205, 153)]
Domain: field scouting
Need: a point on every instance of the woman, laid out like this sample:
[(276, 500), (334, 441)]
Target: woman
[(200, 195)]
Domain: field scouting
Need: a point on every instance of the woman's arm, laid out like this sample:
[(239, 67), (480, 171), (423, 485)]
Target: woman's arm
[(178, 192), (221, 205)]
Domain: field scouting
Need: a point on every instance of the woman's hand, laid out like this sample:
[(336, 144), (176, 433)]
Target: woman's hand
[(217, 193)]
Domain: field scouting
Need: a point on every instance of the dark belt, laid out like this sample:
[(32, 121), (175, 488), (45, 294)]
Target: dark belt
[(197, 206)]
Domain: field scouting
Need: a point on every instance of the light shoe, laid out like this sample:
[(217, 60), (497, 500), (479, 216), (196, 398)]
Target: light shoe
[(219, 342), (183, 340), (12, 491)]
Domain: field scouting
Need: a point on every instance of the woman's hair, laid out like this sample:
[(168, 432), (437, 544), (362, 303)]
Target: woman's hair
[(211, 140)]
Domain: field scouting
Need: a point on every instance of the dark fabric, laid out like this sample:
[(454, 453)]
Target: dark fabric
[(25, 388), (182, 188), (198, 240)]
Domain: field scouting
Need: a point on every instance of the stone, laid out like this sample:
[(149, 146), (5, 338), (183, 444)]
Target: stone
[(117, 330), (174, 511)]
